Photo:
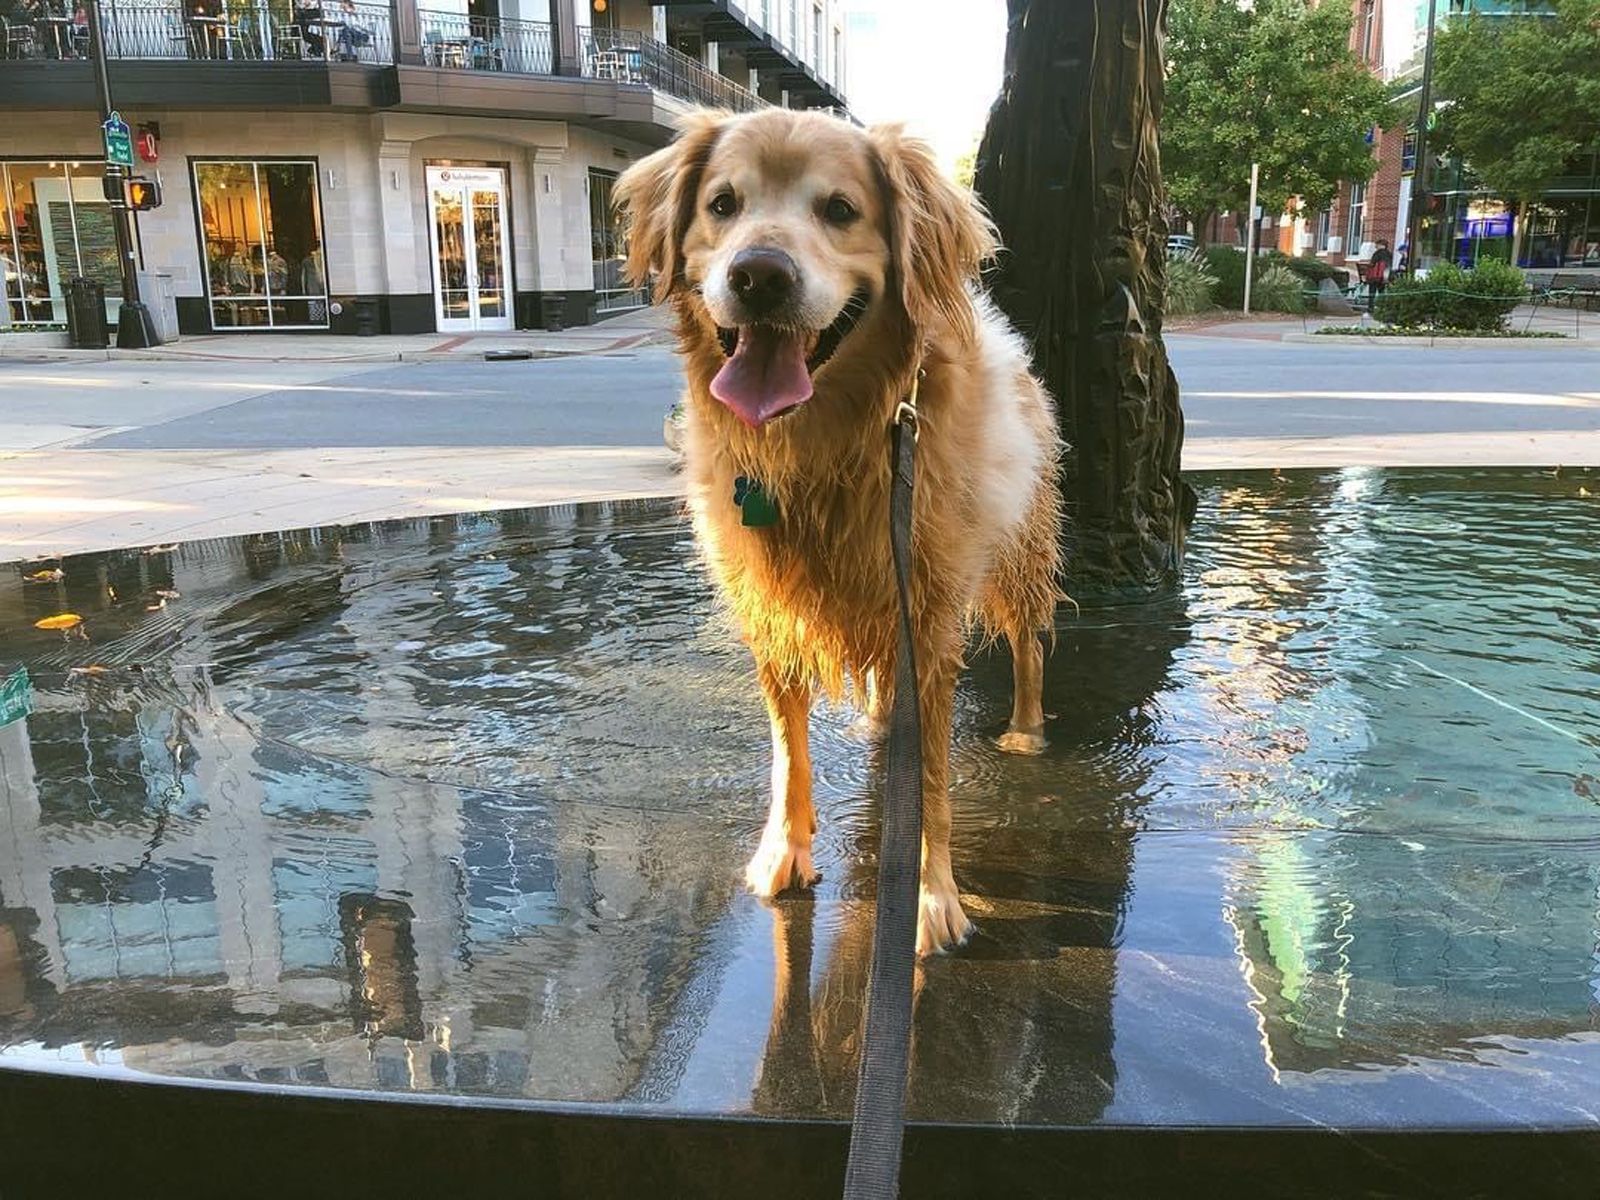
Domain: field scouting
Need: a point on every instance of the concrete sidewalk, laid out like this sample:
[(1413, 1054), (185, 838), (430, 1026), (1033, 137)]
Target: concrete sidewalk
[(643, 326), (85, 500)]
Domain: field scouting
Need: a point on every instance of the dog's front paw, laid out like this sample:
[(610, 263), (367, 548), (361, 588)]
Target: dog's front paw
[(780, 864), (1022, 741), (941, 924)]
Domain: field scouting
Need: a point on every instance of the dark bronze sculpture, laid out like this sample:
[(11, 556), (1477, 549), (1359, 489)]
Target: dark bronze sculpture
[(1070, 169)]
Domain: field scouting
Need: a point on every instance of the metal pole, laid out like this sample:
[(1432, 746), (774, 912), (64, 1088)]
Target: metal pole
[(1250, 237), (1419, 168), (135, 329)]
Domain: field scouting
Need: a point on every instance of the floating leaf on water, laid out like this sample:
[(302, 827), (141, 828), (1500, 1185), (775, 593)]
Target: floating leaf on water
[(168, 594), (166, 549), (59, 621), (55, 575), (156, 607), (1583, 491), (92, 669)]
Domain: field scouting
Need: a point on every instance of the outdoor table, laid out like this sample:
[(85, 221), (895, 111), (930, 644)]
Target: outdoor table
[(58, 26), (207, 34), (330, 33)]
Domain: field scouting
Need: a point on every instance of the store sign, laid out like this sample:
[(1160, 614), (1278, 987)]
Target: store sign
[(468, 176), (119, 141), (149, 144)]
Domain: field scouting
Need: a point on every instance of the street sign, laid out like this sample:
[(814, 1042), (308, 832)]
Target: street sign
[(119, 141)]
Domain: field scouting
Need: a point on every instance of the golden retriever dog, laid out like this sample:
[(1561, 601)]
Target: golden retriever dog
[(815, 270)]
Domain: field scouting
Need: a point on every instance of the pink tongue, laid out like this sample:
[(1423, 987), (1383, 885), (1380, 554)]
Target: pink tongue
[(766, 375)]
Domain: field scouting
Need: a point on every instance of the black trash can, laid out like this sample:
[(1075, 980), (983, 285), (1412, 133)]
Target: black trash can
[(86, 315), (366, 318), (553, 312)]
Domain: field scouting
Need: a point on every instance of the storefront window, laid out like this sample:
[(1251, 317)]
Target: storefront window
[(55, 225), (608, 248), (262, 228)]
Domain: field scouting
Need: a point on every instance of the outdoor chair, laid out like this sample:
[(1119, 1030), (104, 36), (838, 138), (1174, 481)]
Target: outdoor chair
[(287, 40), (19, 41)]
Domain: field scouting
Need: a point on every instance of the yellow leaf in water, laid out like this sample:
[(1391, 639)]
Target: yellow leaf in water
[(166, 549), (52, 576), (94, 669), (59, 621), (1583, 491)]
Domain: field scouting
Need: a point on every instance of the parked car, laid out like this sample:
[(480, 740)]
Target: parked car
[(1179, 243)]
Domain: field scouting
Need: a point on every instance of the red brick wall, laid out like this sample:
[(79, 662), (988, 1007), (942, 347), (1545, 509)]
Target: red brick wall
[(1383, 189)]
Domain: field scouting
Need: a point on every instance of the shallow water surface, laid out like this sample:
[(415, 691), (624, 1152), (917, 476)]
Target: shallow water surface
[(459, 805)]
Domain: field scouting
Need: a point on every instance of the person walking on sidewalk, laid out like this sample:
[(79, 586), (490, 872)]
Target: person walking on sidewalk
[(1378, 272)]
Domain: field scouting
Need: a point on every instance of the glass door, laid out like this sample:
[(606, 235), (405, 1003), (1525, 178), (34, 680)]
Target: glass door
[(467, 234)]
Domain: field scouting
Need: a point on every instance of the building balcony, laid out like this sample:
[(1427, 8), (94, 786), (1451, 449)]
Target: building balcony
[(356, 55)]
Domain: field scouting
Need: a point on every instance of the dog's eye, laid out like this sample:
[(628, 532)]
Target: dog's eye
[(839, 211), (724, 204)]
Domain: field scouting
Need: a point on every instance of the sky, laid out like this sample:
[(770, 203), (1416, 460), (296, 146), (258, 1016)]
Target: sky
[(934, 64)]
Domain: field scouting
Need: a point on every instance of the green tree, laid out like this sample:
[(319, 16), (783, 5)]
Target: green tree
[(1520, 96), (1273, 82)]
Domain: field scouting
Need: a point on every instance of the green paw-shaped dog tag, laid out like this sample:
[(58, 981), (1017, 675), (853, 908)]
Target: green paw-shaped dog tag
[(756, 508)]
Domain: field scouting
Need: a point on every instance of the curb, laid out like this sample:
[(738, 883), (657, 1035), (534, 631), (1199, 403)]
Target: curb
[(1446, 343), (459, 354)]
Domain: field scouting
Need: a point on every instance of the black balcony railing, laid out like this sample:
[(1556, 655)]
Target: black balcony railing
[(632, 57), (335, 31), (246, 30), (485, 43)]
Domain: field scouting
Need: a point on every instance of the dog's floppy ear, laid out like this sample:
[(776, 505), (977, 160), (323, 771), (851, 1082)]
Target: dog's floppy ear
[(939, 236), (657, 196)]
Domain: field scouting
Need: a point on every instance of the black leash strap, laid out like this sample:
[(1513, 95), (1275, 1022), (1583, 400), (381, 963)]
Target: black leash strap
[(873, 1170)]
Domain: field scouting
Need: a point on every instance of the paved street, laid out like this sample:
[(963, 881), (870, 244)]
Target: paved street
[(93, 453)]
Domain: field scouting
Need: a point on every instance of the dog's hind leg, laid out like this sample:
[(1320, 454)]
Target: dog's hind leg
[(940, 921), (784, 857), (873, 723), (1025, 734)]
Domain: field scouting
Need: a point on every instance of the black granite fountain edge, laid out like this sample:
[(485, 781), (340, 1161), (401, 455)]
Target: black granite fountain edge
[(75, 1132)]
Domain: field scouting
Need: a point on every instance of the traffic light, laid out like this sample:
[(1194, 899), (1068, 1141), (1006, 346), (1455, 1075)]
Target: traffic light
[(143, 194)]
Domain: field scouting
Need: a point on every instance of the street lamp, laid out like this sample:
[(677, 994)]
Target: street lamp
[(1419, 166), (135, 328)]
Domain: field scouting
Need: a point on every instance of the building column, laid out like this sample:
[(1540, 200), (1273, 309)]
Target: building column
[(546, 176), (395, 196), (564, 48), (658, 22), (407, 32)]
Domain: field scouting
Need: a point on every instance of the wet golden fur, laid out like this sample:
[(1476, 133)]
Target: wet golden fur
[(815, 593)]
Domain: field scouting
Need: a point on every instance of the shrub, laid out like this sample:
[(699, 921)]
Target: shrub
[(1277, 289), (1190, 285), (1492, 289), (1476, 301), (1407, 303), (1227, 265), (1315, 270)]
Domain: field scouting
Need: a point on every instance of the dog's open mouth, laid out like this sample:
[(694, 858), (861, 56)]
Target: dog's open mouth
[(769, 368)]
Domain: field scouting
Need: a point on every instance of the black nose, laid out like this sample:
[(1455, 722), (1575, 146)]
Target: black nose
[(763, 278)]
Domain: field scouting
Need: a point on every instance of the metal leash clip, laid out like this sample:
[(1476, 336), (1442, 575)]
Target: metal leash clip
[(906, 410)]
